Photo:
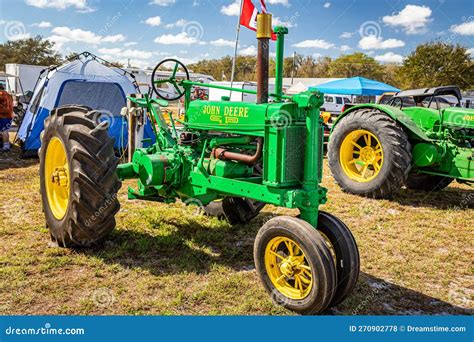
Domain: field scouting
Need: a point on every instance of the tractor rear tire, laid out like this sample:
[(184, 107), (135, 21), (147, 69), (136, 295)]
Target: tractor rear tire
[(78, 181), (235, 209), (427, 182), (295, 265), (383, 150)]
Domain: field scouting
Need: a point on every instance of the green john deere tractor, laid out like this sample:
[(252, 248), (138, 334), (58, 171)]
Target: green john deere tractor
[(232, 157), (422, 139)]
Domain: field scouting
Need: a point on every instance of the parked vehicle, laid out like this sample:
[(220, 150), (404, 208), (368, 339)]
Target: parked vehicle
[(334, 103), (385, 98), (422, 139)]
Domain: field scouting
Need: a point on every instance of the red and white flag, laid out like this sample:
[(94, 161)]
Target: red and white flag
[(248, 17)]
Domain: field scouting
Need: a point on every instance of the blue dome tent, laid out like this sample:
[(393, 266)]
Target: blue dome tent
[(355, 86), (83, 81)]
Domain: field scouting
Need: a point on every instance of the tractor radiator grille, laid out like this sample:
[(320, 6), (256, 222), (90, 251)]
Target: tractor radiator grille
[(294, 151), (284, 155)]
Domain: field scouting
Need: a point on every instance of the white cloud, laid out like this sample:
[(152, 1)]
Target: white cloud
[(464, 29), (179, 39), (279, 2), (80, 5), (377, 43), (345, 48), (42, 24), (222, 42), (346, 35), (63, 34), (19, 36), (249, 51), (178, 23), (130, 44), (276, 21), (317, 55), (127, 53), (231, 9), (185, 60), (413, 19), (315, 44), (153, 21), (471, 52), (327, 5), (389, 57), (113, 39), (162, 3)]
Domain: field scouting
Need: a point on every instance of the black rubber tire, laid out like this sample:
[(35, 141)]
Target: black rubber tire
[(317, 255), (347, 254), (93, 182), (396, 148), (427, 182), (235, 209)]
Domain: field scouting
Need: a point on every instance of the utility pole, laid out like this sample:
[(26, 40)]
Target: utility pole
[(234, 61), (293, 67)]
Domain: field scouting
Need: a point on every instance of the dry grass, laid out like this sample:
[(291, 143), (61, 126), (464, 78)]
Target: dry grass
[(416, 256)]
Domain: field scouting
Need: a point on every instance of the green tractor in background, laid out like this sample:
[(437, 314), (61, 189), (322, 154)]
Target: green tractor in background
[(422, 139)]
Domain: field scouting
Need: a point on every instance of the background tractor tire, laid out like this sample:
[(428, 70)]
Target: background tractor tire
[(384, 139), (314, 263), (235, 209), (346, 253), (79, 211), (427, 182)]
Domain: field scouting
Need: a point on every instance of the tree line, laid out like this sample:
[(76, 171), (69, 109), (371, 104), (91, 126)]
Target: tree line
[(431, 64)]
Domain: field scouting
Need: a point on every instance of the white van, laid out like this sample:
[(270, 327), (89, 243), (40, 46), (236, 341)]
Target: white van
[(334, 103)]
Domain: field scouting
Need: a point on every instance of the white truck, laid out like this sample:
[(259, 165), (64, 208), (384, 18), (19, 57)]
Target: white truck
[(334, 103)]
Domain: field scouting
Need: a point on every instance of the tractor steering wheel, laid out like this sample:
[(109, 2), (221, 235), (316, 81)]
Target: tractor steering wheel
[(179, 73)]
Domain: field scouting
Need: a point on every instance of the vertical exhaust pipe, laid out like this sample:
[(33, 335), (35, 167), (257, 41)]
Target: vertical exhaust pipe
[(264, 33)]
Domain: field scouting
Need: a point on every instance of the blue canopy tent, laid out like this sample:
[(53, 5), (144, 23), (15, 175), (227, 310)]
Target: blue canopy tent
[(84, 81), (355, 86)]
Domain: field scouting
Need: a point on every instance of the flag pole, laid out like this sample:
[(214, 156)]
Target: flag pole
[(234, 61)]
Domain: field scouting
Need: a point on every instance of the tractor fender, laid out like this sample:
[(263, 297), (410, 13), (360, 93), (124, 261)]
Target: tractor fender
[(396, 114)]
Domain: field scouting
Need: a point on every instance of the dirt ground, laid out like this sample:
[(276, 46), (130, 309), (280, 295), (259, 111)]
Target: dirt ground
[(416, 251)]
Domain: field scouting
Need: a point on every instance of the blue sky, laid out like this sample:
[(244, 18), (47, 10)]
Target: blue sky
[(147, 31)]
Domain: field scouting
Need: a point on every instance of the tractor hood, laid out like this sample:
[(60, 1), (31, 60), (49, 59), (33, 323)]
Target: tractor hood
[(458, 117)]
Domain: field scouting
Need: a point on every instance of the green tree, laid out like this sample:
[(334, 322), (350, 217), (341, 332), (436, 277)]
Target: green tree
[(436, 64), (391, 75), (35, 51), (356, 64)]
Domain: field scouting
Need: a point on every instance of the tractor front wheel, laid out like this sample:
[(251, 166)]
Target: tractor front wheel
[(369, 154), (295, 265), (345, 253), (78, 181)]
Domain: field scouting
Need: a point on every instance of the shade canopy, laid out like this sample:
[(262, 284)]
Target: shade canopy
[(355, 86)]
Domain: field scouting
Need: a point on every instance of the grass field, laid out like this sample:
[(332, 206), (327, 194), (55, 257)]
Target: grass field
[(416, 250)]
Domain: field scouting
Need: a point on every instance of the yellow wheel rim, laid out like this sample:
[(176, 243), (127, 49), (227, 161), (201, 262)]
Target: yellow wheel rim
[(361, 156), (56, 172), (288, 268)]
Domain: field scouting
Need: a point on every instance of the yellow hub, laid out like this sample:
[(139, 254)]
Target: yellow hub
[(287, 268), (56, 171), (361, 155)]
